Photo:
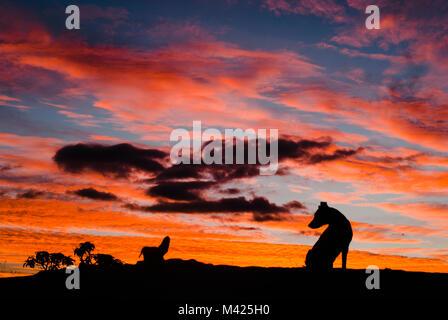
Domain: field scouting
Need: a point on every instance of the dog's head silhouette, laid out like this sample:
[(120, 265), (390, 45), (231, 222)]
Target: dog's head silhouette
[(322, 216)]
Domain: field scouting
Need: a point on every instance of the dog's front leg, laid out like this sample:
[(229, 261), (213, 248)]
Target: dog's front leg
[(344, 258)]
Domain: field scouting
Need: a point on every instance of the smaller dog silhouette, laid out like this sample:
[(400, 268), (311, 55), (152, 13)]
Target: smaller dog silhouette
[(154, 255), (333, 241)]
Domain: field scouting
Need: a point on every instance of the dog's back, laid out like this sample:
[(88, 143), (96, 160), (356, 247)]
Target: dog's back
[(333, 241)]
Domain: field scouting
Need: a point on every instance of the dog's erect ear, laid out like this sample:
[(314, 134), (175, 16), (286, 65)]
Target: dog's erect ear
[(164, 245), (323, 204)]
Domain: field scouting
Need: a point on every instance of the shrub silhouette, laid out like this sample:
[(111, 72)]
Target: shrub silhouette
[(106, 261), (48, 261)]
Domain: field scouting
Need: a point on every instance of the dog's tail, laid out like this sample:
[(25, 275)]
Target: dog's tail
[(164, 246), (141, 252)]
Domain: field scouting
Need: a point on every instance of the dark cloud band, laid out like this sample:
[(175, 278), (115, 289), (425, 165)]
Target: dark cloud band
[(94, 194), (117, 160)]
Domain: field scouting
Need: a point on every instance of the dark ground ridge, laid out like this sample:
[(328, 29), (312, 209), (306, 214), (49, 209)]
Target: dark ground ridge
[(191, 281)]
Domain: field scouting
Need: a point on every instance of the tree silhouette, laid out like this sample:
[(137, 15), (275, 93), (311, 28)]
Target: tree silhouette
[(85, 248), (58, 260), (41, 259), (48, 261)]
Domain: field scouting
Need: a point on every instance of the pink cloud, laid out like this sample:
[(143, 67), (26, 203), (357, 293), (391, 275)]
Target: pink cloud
[(338, 197)]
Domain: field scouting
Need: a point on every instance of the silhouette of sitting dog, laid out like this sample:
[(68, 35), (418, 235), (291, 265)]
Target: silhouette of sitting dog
[(154, 255), (333, 241)]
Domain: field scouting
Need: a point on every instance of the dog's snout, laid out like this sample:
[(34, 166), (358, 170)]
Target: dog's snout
[(313, 224)]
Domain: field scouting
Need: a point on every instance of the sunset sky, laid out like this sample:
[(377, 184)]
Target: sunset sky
[(362, 118)]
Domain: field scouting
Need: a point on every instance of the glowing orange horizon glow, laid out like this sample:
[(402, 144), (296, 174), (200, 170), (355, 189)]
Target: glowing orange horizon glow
[(218, 252), (189, 240)]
